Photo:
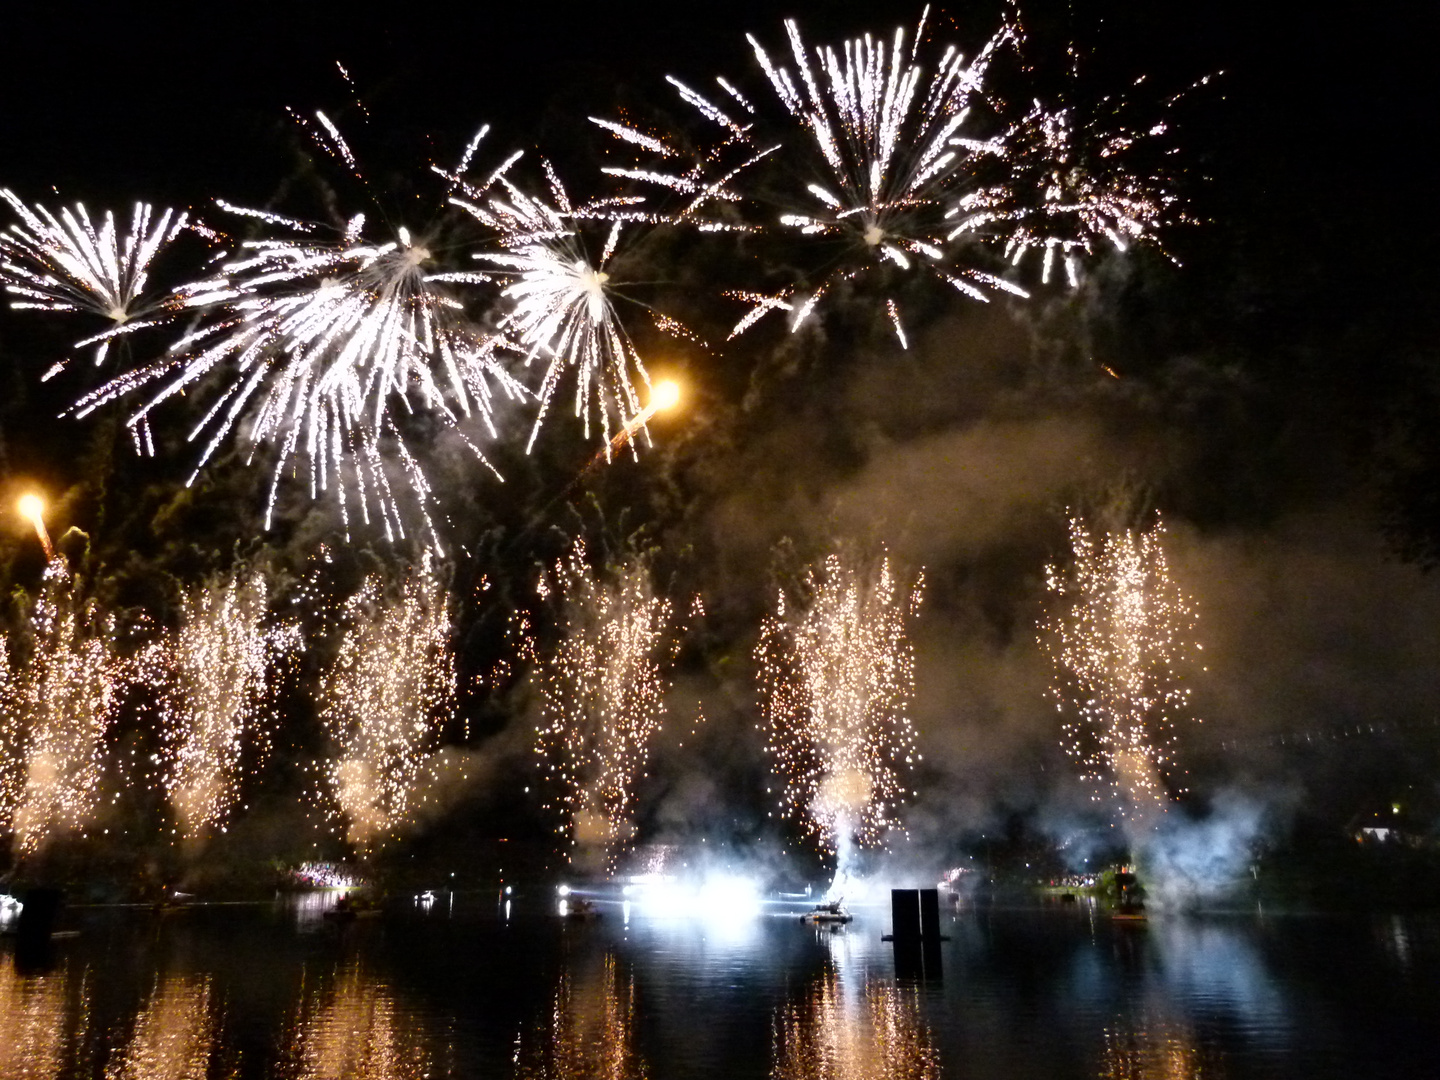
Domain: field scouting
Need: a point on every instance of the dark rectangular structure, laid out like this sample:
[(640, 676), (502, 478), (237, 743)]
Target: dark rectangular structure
[(905, 914), (930, 914)]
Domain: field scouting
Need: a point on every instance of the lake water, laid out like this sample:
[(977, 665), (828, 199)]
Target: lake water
[(457, 989)]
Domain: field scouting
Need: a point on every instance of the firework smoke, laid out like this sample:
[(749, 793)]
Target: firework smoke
[(602, 689), (836, 678), (58, 706), (1120, 641), (384, 701), (215, 668)]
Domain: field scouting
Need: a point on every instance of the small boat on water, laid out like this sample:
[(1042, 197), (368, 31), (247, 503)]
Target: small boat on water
[(580, 910), (833, 913)]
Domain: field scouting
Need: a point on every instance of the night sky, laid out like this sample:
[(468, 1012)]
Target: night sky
[(1273, 394)]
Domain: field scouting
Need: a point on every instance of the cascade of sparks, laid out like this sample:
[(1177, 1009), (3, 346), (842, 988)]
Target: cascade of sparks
[(865, 159), (309, 345), (57, 708), (560, 297), (1070, 189), (216, 704), (602, 690), (384, 701), (836, 679), (1120, 640), (65, 262)]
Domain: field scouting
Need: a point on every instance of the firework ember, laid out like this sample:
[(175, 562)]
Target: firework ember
[(837, 676), (384, 701), (58, 706), (602, 689), (1120, 641), (215, 667)]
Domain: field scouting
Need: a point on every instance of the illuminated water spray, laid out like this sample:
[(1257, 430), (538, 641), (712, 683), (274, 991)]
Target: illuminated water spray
[(384, 700), (60, 696), (837, 676), (1120, 639), (215, 666), (602, 689)]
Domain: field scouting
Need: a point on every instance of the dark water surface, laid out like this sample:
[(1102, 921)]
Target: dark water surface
[(457, 990)]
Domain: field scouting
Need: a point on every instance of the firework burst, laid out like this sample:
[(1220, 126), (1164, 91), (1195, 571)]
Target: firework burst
[(216, 705), (865, 157), (560, 286), (58, 706), (65, 262), (384, 701), (1119, 641), (602, 690), (311, 345), (836, 676)]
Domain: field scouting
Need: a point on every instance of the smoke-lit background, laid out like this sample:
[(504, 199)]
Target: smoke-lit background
[(1272, 392)]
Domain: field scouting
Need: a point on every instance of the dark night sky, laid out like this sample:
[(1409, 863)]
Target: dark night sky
[(1275, 397)]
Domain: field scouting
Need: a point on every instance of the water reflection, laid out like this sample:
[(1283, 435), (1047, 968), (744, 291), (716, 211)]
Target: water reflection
[(355, 1030), (44, 1020), (588, 1032), (1156, 1049), (174, 1034), (870, 1029)]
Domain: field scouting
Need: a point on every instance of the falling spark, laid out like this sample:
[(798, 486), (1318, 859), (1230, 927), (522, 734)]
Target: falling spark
[(836, 680), (879, 156), (58, 706), (1120, 641), (385, 699), (64, 262), (602, 689), (308, 346), (215, 669)]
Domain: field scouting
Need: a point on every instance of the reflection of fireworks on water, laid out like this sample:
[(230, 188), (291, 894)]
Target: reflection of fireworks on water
[(174, 1034), (602, 689), (58, 706), (878, 155), (1153, 1048), (356, 1029), (1118, 642), (872, 1034), (320, 341), (215, 668), (385, 699), (44, 1020), (65, 262), (836, 681), (561, 297), (589, 1033)]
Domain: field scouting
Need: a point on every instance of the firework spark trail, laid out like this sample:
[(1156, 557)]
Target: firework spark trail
[(836, 678), (384, 701), (1119, 642), (879, 155), (215, 707), (1070, 187), (59, 705), (66, 263), (602, 690), (561, 296), (314, 344)]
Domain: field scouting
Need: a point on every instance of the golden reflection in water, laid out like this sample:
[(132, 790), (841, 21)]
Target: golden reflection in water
[(174, 1034), (1156, 1050), (871, 1032), (42, 1025), (355, 1030), (589, 1033)]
